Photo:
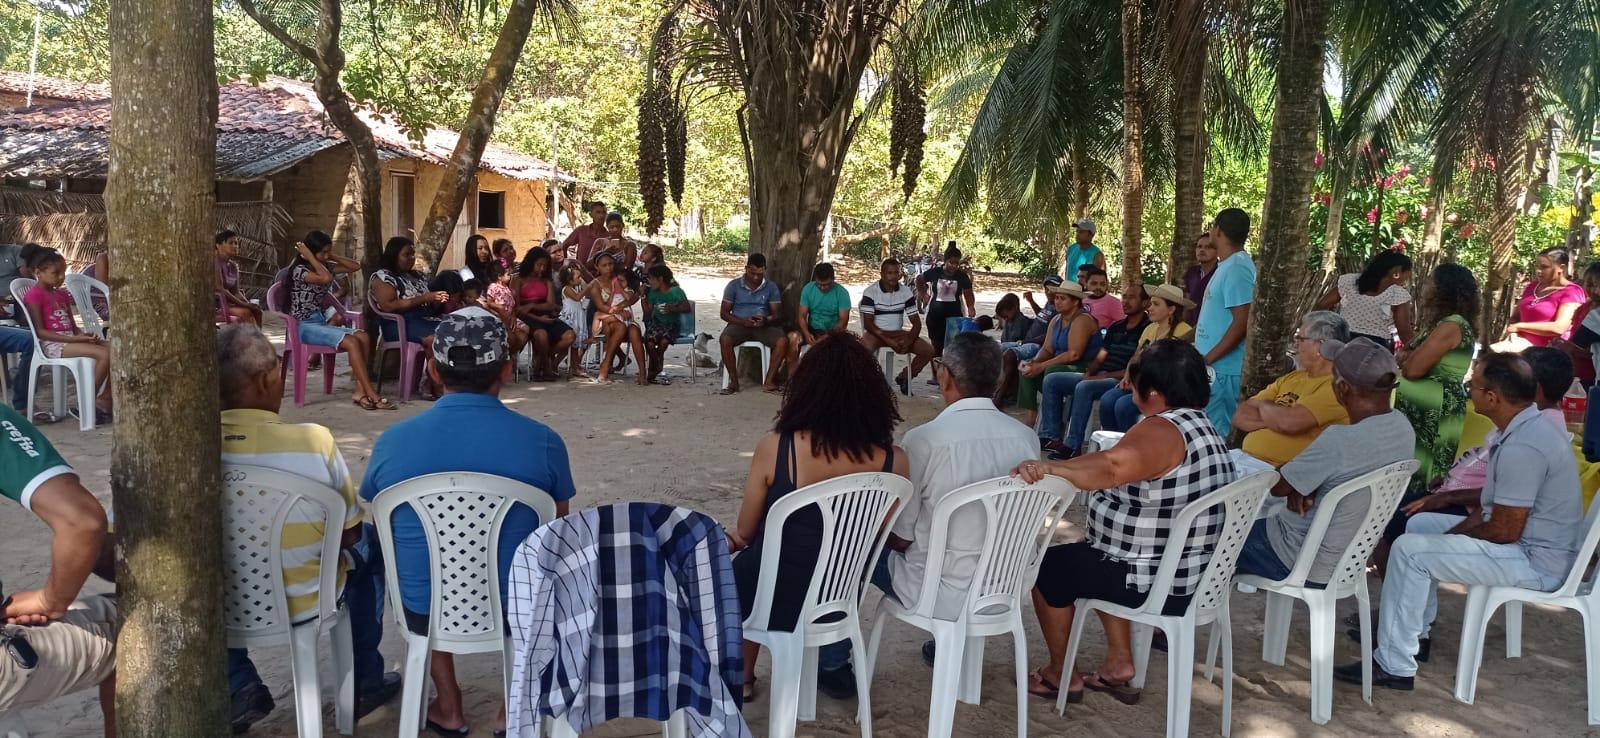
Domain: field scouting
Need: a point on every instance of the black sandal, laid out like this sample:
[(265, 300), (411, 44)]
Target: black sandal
[(1119, 691)]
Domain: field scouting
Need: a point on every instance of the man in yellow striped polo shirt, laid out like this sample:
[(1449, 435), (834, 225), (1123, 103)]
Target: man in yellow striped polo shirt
[(252, 433)]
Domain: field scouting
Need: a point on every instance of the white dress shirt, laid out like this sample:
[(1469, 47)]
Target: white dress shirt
[(969, 442)]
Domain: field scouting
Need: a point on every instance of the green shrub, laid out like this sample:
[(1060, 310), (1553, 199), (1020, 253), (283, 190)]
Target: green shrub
[(735, 240)]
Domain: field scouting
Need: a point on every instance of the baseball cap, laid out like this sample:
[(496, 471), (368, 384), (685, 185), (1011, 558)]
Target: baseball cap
[(1085, 225), (1363, 364), (470, 328), (1068, 288), (1052, 281)]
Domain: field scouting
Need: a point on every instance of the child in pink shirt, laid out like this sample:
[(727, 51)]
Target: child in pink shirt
[(50, 311)]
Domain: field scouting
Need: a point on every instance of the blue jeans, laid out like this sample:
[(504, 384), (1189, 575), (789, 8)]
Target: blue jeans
[(837, 655), (1117, 411), (1083, 400), (1591, 426), (1257, 556), (1024, 351), (18, 341), (1055, 389), (363, 605)]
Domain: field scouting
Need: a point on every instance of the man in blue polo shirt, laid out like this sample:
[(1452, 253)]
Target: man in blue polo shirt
[(467, 430), (752, 307), (1225, 314)]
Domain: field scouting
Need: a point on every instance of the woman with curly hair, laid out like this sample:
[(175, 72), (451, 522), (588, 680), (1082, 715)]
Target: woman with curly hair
[(1433, 366), (820, 433)]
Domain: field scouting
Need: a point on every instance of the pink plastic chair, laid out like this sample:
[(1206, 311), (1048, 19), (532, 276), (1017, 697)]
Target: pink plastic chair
[(410, 352), (223, 317), (299, 354)]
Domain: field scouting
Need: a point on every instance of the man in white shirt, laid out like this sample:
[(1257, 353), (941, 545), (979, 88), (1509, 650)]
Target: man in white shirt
[(969, 442), (886, 305)]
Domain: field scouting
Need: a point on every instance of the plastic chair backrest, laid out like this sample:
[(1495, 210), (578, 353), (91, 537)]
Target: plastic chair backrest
[(461, 515), (19, 288), (276, 307), (399, 322), (256, 501), (81, 287), (1387, 484), (1019, 521), (1240, 500), (686, 327), (857, 511), (1586, 550)]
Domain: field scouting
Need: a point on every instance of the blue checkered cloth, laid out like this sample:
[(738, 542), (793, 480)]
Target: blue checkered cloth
[(626, 610)]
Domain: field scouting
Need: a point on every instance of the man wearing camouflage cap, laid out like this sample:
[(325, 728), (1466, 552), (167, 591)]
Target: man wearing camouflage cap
[(467, 430)]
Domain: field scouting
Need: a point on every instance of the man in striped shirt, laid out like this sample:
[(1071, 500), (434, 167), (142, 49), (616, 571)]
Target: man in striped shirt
[(886, 305), (253, 434)]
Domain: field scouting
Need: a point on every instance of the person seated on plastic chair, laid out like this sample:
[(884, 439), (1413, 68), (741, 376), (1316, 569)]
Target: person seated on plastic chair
[(821, 433), (226, 282), (889, 318), (52, 642), (824, 306), (50, 308), (1284, 418), (305, 285), (970, 441), (1364, 377), (1170, 459), (752, 308), (468, 430), (1525, 536), (253, 434), (16, 339), (663, 304)]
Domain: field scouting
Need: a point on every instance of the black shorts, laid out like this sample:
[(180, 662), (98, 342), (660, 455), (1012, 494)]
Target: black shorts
[(1077, 571), (553, 330), (938, 312)]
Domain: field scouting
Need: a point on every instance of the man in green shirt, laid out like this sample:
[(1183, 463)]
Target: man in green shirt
[(824, 305)]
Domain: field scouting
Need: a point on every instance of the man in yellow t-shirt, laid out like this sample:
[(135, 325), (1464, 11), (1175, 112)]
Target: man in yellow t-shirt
[(253, 434), (1281, 420)]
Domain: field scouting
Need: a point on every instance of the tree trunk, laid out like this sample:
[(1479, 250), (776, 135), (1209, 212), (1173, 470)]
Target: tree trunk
[(1431, 255), (1080, 182), (1188, 127), (1334, 232), (327, 61), (166, 446), (462, 170), (1281, 260), (1578, 232), (1132, 144), (1497, 303)]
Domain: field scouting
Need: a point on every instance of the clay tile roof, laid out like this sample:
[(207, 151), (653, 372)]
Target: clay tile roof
[(51, 87), (261, 129)]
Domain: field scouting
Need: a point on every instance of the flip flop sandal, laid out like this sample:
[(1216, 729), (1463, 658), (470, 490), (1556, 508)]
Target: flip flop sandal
[(384, 403), (364, 402), (750, 691), (438, 729), (728, 391), (1039, 686), (1119, 691)]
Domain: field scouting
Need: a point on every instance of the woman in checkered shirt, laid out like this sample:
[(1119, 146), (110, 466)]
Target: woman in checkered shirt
[(1170, 459)]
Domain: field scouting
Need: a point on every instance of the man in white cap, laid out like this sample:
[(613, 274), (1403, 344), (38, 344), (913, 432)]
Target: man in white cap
[(1083, 251)]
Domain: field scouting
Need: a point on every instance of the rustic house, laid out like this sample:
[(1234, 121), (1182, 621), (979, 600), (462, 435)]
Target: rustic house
[(21, 89), (281, 171)]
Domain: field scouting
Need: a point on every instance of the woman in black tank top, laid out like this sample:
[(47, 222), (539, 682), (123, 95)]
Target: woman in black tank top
[(838, 417)]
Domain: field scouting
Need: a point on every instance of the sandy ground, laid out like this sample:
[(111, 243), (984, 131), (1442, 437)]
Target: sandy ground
[(691, 447)]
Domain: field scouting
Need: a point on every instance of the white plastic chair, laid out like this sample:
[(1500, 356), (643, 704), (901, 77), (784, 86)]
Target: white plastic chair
[(886, 357), (766, 361), (255, 607), (82, 368), (1577, 592), (461, 515), (81, 287), (1019, 521), (857, 511), (1349, 579), (1103, 440), (1209, 604)]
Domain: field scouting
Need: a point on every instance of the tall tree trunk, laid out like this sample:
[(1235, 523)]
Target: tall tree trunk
[(166, 447), (1334, 232), (1132, 143), (1497, 303), (1432, 253), (1188, 127), (1080, 182), (1578, 229), (1281, 260), (462, 170), (327, 62)]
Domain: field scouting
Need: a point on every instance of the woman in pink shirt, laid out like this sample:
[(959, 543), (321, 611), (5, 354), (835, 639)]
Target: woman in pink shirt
[(50, 311), (1544, 313)]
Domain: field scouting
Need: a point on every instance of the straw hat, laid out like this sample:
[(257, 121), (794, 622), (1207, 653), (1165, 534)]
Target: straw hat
[(1171, 294), (1069, 288)]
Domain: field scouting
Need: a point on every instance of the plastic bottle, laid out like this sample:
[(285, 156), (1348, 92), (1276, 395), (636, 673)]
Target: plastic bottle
[(1575, 403)]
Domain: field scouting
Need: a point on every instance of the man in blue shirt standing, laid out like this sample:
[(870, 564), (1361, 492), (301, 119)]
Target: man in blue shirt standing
[(1225, 314), (467, 430)]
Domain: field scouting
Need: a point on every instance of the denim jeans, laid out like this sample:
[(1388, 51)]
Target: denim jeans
[(837, 655), (1024, 351), (1056, 388), (18, 341), (1084, 397), (1117, 411), (1422, 558), (363, 605)]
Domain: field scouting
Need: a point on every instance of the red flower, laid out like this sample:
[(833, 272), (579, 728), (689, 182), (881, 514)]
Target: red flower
[(1467, 230), (1399, 245), (1372, 215), (1388, 181), (1317, 160)]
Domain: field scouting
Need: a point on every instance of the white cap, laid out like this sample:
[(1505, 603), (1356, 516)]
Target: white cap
[(1085, 225)]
